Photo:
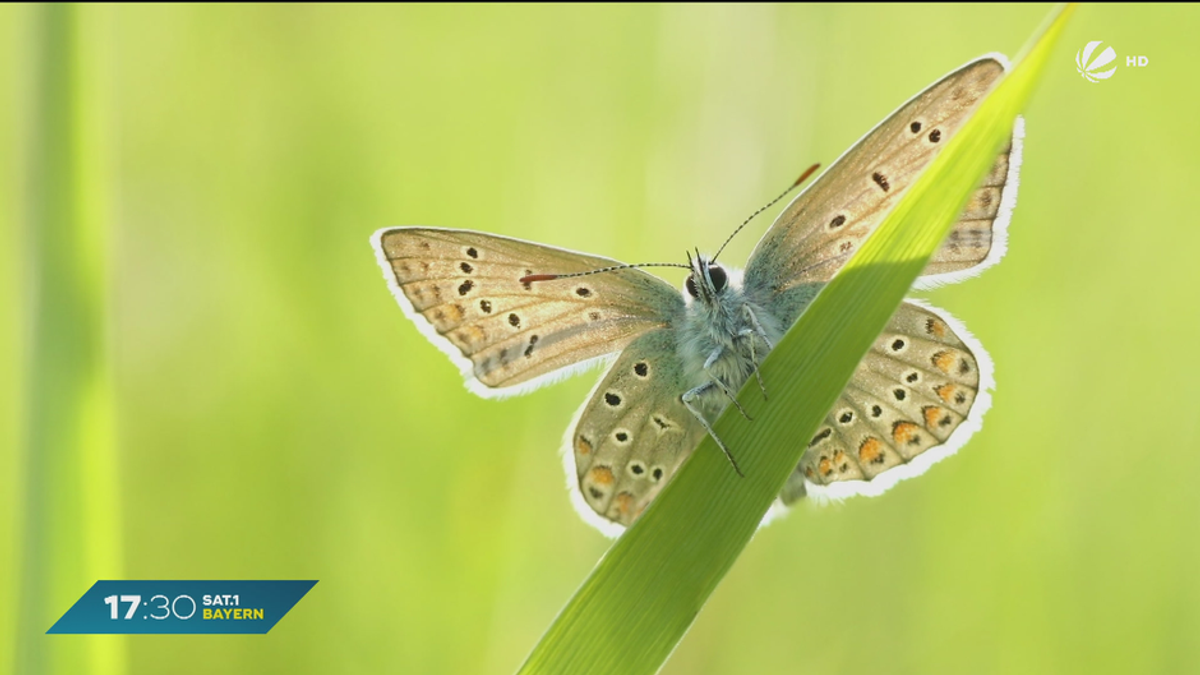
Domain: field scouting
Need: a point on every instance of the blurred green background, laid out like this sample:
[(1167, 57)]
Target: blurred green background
[(275, 416)]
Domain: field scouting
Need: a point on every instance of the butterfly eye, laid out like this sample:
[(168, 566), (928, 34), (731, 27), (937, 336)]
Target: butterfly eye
[(718, 277), (691, 285)]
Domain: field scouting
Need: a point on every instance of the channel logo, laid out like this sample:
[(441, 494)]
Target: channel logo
[(1093, 69)]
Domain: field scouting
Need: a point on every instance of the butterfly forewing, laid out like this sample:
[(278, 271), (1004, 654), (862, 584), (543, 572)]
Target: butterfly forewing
[(980, 237), (824, 225), (633, 432), (464, 290), (915, 398)]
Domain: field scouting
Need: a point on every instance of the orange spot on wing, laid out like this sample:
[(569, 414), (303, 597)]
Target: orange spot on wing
[(840, 463), (625, 503), (904, 432), (445, 317), (944, 361), (936, 327), (946, 392), (583, 447), (602, 475), (932, 415), (871, 451), (471, 335), (825, 466)]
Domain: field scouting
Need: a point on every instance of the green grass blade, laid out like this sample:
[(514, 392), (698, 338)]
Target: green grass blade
[(71, 525), (639, 601)]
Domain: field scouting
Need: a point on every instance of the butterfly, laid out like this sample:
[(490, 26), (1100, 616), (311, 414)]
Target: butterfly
[(516, 315)]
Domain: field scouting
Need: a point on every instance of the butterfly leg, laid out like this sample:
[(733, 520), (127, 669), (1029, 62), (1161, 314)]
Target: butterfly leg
[(750, 333), (760, 332), (689, 399), (708, 366), (758, 329)]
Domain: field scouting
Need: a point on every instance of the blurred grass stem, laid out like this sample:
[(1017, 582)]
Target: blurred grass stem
[(71, 516)]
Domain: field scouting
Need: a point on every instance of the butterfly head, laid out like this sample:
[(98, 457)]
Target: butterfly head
[(707, 281)]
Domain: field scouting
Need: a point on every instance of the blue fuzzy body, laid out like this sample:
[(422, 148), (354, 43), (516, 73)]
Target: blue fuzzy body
[(719, 320)]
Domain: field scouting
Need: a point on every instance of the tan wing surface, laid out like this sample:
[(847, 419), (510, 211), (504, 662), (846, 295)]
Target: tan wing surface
[(823, 226), (917, 396), (631, 435), (462, 289), (980, 237)]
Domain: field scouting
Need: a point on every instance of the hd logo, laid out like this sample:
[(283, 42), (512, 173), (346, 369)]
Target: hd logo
[(1098, 68)]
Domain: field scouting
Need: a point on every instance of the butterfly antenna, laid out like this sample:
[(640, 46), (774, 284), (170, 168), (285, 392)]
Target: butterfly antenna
[(803, 177), (530, 278)]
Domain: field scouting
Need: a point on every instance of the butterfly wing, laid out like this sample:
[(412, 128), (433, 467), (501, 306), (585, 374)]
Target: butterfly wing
[(462, 289), (980, 237), (631, 435), (923, 388), (916, 397), (823, 226)]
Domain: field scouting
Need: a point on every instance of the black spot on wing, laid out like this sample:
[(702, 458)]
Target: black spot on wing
[(881, 180), (824, 433)]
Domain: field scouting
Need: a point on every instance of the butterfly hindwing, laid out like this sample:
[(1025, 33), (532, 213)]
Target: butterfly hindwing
[(824, 225), (915, 399), (631, 434), (463, 290)]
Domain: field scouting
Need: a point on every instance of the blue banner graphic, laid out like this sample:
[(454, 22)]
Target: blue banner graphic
[(195, 607)]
